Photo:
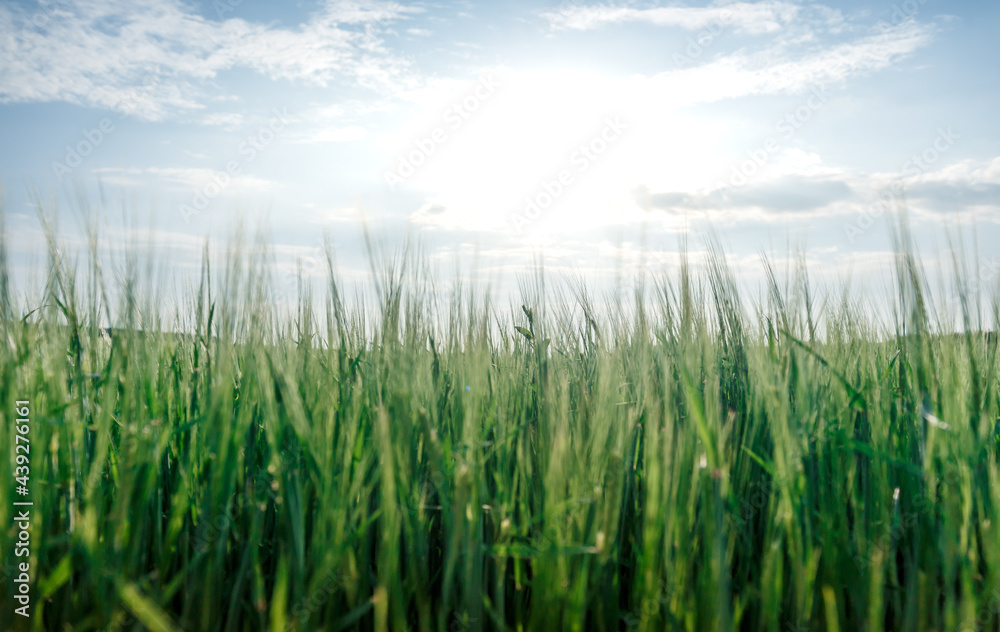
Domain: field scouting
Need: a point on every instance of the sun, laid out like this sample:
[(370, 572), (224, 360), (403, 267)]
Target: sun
[(545, 151)]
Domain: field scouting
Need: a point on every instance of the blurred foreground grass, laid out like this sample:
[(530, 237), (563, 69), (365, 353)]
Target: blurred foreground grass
[(674, 461)]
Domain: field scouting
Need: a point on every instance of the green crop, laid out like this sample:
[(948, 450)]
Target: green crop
[(670, 460)]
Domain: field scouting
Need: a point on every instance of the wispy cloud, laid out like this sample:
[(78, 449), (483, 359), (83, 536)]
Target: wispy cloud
[(777, 70), (749, 17), (228, 121), (180, 179), (184, 178), (153, 57)]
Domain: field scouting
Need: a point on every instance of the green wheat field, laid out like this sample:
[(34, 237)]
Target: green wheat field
[(675, 456)]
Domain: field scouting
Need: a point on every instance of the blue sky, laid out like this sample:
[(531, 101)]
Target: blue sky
[(592, 132)]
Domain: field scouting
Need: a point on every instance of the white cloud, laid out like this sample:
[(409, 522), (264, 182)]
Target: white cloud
[(749, 17), (186, 178), (776, 71), (151, 57), (351, 133), (181, 179), (809, 190), (966, 172), (229, 121), (482, 174)]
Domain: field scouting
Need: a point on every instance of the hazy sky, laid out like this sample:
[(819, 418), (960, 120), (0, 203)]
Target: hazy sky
[(587, 131)]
